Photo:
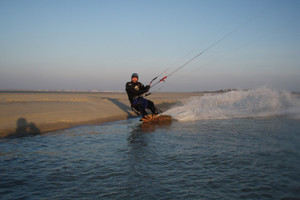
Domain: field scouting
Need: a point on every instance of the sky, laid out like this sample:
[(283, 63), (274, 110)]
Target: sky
[(98, 44)]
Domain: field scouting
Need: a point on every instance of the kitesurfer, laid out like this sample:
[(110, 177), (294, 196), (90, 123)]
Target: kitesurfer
[(135, 90)]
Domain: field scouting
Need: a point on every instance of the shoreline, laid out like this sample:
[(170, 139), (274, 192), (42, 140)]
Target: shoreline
[(25, 114)]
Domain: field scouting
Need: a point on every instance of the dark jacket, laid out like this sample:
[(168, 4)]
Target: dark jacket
[(135, 90)]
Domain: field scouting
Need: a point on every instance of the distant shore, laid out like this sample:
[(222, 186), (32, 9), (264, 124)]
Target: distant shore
[(35, 112), (99, 91)]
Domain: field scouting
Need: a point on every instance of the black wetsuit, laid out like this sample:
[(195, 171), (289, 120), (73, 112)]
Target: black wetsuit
[(135, 92)]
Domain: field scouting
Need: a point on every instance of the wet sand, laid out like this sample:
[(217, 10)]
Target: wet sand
[(35, 113)]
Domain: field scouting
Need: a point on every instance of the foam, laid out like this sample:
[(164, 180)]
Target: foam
[(262, 102)]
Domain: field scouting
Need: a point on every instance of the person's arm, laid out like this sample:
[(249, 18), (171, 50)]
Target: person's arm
[(145, 88)]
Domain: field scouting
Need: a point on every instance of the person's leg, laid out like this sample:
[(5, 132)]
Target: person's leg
[(143, 105), (140, 105), (142, 110), (152, 107)]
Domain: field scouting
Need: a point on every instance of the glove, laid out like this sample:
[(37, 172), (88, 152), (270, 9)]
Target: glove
[(147, 88)]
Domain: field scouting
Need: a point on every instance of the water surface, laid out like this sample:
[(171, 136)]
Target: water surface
[(232, 157)]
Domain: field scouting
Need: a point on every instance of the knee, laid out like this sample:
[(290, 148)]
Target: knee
[(150, 103)]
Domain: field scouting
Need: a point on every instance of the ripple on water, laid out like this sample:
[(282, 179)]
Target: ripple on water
[(217, 159)]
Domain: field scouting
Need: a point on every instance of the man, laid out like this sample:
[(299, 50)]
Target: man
[(135, 90)]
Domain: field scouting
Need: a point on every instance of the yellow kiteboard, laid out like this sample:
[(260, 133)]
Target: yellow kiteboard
[(156, 118)]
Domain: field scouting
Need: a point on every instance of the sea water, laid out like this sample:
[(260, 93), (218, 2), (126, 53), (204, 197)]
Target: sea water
[(236, 145)]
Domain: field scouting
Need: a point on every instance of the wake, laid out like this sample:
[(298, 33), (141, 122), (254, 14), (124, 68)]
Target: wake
[(263, 102)]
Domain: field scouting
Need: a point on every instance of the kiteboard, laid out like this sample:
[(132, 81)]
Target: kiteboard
[(156, 118)]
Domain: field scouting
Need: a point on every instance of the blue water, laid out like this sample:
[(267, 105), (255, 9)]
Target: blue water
[(214, 159), (238, 157)]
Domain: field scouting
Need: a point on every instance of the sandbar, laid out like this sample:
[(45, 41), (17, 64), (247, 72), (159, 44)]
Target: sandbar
[(25, 113)]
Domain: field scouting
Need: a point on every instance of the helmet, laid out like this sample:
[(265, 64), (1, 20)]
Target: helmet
[(134, 75)]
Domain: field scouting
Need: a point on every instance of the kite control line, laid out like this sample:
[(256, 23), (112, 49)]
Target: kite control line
[(200, 53), (190, 60), (152, 81), (161, 80)]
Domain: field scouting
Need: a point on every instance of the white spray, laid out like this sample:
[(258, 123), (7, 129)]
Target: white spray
[(263, 102)]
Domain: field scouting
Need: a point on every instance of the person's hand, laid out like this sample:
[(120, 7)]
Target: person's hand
[(147, 88)]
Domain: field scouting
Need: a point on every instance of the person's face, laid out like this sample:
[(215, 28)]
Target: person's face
[(134, 79)]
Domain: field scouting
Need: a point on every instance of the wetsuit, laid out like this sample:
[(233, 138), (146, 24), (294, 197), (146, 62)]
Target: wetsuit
[(135, 92)]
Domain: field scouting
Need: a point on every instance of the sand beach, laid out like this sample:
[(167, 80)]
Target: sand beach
[(40, 112)]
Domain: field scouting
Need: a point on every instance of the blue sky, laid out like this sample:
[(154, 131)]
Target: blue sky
[(97, 45)]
